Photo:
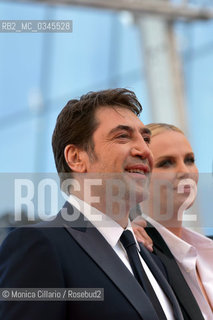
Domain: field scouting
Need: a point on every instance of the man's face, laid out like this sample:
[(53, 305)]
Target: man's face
[(121, 148)]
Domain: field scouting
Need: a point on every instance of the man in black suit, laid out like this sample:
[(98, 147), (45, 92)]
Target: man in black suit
[(98, 141)]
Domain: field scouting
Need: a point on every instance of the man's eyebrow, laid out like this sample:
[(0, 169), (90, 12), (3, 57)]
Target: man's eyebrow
[(147, 131), (129, 129)]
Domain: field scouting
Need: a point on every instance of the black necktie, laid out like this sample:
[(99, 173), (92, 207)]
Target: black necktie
[(129, 244)]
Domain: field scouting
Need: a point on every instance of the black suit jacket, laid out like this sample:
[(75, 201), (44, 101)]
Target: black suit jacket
[(63, 254), (189, 306)]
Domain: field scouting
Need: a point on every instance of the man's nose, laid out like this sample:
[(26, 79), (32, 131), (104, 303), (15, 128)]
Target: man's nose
[(141, 149)]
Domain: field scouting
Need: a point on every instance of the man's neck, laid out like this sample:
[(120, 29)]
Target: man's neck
[(119, 212)]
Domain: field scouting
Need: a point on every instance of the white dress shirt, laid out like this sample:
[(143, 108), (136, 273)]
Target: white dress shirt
[(192, 251), (112, 232)]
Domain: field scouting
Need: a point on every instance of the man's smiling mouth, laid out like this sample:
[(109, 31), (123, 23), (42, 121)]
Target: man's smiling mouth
[(138, 169)]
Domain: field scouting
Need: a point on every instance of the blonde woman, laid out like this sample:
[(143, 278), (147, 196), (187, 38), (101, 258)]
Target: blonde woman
[(173, 189)]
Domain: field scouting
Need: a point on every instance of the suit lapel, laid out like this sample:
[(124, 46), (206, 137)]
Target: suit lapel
[(162, 282), (175, 277), (94, 244)]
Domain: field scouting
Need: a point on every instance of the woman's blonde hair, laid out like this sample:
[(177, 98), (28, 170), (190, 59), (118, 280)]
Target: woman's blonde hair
[(157, 128)]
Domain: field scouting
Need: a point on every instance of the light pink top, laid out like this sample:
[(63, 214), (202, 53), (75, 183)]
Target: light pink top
[(192, 250)]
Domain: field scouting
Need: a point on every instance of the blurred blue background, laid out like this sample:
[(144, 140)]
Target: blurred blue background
[(40, 72)]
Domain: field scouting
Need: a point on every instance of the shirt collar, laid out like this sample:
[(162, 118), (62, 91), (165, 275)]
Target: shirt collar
[(108, 227), (178, 246), (196, 239)]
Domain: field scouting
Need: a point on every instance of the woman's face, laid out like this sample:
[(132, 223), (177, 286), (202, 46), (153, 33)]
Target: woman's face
[(175, 174)]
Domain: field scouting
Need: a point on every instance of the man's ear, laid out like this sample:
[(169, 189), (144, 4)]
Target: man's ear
[(75, 158)]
